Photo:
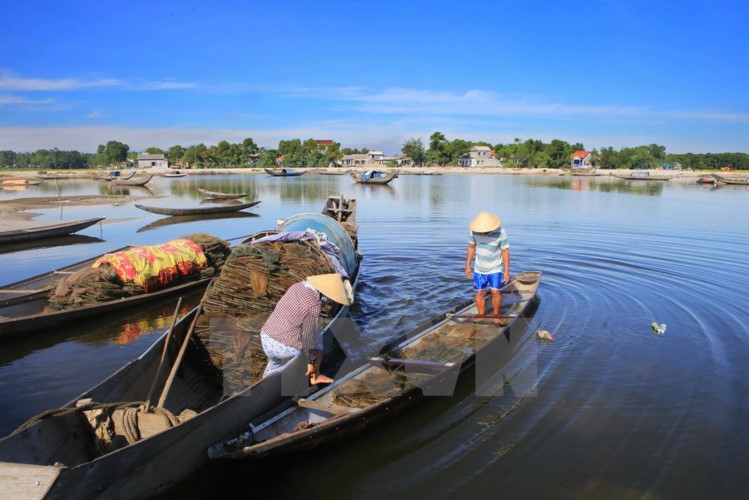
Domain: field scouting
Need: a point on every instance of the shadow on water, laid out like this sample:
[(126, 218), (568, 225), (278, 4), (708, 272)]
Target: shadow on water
[(182, 219), (60, 241)]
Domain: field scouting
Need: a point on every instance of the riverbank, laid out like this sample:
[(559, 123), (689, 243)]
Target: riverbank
[(96, 173)]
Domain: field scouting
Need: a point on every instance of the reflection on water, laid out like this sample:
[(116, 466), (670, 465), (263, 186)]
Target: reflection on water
[(604, 185), (181, 219), (608, 410), (59, 241)]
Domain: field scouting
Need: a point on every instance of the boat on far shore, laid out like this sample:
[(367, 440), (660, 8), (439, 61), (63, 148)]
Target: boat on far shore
[(738, 181), (284, 172), (374, 177), (644, 175)]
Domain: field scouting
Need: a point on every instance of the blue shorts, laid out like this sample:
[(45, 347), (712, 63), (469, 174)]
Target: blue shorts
[(481, 281)]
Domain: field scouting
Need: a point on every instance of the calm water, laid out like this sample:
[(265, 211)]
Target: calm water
[(608, 410)]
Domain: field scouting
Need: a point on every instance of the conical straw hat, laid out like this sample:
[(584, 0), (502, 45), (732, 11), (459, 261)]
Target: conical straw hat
[(485, 222), (331, 286)]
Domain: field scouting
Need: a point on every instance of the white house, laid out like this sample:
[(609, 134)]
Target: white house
[(580, 159), (479, 156), (147, 160)]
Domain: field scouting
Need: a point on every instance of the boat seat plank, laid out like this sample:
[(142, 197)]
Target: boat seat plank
[(413, 365), (27, 481), (326, 407)]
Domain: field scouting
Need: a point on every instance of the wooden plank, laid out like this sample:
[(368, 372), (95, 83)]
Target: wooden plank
[(319, 405), (26, 481), (413, 365)]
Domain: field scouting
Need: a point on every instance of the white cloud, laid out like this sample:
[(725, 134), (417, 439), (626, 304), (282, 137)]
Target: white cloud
[(7, 100), (14, 83)]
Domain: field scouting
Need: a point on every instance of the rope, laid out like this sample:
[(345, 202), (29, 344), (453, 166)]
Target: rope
[(58, 412)]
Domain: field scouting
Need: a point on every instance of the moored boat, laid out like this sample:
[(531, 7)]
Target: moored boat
[(739, 181), (136, 180), (25, 306), (373, 177), (33, 230), (706, 180), (69, 453), (425, 362), (644, 175), (215, 209), (284, 172), (175, 173)]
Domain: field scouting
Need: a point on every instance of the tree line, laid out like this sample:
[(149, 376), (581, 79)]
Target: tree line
[(440, 151)]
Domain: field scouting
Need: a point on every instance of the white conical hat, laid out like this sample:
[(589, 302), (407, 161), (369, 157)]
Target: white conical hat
[(485, 222), (331, 286)]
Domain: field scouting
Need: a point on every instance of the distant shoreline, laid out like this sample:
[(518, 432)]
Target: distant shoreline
[(92, 173)]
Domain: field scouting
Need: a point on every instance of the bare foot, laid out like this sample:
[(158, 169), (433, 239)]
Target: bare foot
[(319, 379)]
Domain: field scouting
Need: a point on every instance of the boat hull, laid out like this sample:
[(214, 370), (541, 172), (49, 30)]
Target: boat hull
[(198, 210), (47, 230)]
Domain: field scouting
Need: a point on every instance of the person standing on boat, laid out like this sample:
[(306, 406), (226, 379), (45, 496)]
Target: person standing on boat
[(488, 243), (291, 329)]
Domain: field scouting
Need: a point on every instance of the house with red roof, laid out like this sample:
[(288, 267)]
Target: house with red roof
[(580, 159)]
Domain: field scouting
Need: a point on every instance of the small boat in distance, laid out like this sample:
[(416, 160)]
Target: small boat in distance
[(132, 180), (215, 209), (643, 175), (738, 181), (176, 173), (221, 196), (32, 230), (374, 177), (706, 180), (284, 172)]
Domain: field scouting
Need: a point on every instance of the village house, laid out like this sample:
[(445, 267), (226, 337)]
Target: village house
[(580, 159), (374, 159), (148, 160), (479, 156)]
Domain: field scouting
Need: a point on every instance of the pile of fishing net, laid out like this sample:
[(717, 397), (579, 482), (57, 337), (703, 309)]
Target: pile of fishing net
[(235, 308), (101, 284)]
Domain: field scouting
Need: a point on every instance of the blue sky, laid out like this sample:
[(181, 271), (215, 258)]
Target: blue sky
[(75, 74)]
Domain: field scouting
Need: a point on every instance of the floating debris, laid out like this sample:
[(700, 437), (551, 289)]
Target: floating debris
[(659, 329), (544, 335)]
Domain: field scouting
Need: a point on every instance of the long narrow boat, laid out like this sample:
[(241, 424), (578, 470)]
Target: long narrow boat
[(23, 303), (643, 175), (132, 181), (373, 177), (38, 229), (55, 455), (738, 181), (425, 362), (221, 196), (216, 209), (115, 174), (284, 172)]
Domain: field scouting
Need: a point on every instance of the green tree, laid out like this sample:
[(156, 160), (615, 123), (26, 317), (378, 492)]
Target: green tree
[(438, 154), (175, 154), (114, 152), (414, 149), (154, 151)]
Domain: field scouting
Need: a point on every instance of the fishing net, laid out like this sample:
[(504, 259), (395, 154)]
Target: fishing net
[(253, 279), (102, 284)]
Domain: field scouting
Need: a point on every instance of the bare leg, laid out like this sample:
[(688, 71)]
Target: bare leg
[(496, 301), (481, 302)]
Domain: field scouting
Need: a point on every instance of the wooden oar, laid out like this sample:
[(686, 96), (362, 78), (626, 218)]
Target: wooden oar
[(163, 353), (180, 355)]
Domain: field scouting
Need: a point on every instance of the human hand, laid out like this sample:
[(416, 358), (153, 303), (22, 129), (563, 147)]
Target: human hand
[(468, 272)]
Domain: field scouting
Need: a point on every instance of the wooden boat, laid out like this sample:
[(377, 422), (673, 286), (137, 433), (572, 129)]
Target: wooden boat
[(56, 176), (132, 181), (739, 181), (20, 182), (38, 229), (215, 209), (284, 172), (116, 174), (425, 362), (22, 303), (706, 180), (371, 177), (221, 196), (176, 173), (643, 175), (54, 455)]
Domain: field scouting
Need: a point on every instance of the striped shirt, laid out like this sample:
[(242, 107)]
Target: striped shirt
[(294, 320), (489, 248)]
